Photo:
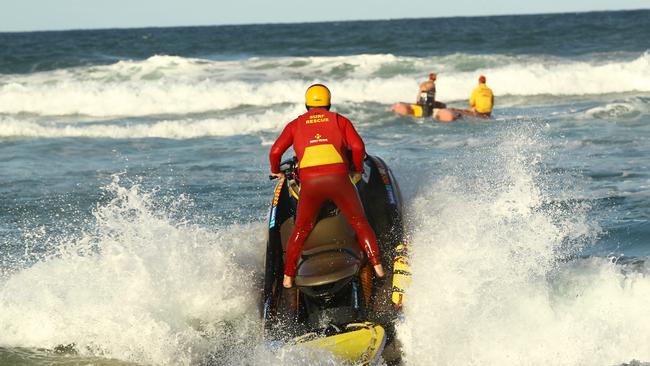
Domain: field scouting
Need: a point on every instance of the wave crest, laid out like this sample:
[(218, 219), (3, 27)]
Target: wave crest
[(176, 85)]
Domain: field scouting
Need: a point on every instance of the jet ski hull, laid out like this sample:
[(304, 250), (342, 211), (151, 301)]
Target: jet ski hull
[(335, 288), (361, 343)]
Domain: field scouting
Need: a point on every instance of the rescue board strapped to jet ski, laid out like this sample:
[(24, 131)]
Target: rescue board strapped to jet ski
[(337, 305)]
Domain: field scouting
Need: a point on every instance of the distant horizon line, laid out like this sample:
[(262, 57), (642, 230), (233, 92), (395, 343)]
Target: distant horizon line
[(315, 22)]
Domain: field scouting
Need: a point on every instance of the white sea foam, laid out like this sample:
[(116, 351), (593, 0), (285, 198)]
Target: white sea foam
[(144, 288), (239, 124), (623, 109), (176, 85), (487, 285)]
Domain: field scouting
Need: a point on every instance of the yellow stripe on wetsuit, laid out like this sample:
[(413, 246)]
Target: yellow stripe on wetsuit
[(320, 155)]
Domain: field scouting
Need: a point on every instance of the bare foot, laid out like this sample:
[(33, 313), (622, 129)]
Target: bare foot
[(287, 282), (379, 270)]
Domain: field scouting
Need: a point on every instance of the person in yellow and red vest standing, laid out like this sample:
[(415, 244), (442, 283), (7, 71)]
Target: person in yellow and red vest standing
[(320, 139), (481, 101)]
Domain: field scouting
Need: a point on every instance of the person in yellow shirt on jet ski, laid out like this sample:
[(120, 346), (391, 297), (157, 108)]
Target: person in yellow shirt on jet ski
[(481, 101)]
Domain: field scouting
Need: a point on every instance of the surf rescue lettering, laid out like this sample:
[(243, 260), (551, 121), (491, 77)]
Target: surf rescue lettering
[(317, 118)]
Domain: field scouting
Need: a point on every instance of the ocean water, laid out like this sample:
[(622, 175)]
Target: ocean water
[(134, 189)]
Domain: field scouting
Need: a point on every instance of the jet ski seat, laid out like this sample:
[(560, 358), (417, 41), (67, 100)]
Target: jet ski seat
[(330, 253)]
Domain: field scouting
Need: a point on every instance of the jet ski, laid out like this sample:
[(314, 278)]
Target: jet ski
[(337, 304), (440, 112)]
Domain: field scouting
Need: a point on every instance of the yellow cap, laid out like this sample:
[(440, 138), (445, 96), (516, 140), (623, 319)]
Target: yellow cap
[(317, 95)]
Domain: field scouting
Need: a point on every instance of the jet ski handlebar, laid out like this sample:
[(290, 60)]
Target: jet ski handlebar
[(288, 167)]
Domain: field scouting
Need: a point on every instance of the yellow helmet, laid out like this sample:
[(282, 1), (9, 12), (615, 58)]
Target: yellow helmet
[(317, 95)]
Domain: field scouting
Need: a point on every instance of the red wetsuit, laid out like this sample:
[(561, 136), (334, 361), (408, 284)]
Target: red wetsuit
[(320, 139)]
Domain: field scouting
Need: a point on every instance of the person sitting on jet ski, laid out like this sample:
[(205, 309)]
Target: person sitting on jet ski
[(320, 139), (481, 101), (427, 96), (426, 104)]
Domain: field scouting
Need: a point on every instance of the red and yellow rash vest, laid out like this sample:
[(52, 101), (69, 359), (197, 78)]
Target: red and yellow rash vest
[(482, 99), (320, 139)]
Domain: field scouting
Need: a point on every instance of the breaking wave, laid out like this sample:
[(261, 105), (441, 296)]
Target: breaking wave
[(176, 85)]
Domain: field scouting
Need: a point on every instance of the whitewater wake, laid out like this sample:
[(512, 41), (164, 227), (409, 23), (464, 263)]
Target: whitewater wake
[(143, 287), (496, 274)]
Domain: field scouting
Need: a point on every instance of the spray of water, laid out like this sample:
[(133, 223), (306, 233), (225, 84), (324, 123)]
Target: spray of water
[(136, 288), (149, 287), (491, 280)]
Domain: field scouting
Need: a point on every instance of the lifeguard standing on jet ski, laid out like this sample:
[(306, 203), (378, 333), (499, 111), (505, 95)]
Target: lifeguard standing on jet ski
[(320, 139)]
